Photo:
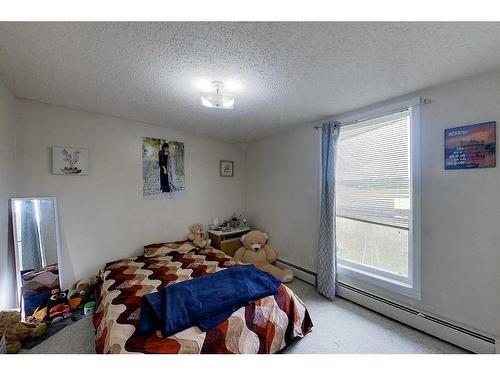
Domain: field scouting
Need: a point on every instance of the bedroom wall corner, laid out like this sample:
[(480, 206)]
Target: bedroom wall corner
[(282, 192), (103, 216), (8, 122)]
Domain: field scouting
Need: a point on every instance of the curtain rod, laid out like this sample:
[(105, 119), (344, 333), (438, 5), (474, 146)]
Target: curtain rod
[(368, 118)]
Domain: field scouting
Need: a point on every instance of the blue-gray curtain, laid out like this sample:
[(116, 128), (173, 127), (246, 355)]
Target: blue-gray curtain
[(327, 254)]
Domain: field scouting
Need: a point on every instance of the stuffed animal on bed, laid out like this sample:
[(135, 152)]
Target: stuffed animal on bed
[(197, 236), (258, 252), (16, 331)]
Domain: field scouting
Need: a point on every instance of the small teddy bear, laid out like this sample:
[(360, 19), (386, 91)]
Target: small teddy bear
[(197, 236), (16, 331)]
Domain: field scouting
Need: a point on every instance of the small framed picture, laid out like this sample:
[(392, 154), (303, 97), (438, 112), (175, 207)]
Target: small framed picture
[(226, 168), (70, 161)]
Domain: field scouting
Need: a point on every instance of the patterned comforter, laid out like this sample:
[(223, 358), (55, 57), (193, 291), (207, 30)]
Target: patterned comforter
[(265, 326)]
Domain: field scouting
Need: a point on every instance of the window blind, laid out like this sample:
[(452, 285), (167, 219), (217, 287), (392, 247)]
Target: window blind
[(373, 170)]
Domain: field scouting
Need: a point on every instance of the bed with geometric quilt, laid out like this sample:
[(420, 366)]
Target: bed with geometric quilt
[(267, 325)]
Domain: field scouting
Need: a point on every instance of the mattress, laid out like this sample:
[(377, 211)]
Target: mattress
[(267, 325)]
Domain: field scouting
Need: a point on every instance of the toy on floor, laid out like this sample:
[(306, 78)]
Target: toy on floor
[(197, 236), (58, 306), (258, 252), (40, 313), (89, 308), (16, 331), (81, 292)]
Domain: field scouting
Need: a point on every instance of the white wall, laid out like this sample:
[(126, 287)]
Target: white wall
[(7, 190), (282, 197), (460, 209), (103, 216)]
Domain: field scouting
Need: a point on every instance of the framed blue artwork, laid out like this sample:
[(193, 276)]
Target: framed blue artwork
[(471, 146)]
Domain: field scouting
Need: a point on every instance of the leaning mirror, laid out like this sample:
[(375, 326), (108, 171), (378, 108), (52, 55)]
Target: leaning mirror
[(36, 244)]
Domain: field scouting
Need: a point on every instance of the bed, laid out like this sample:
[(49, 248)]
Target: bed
[(266, 326)]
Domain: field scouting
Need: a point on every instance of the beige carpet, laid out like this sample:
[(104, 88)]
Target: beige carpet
[(340, 326)]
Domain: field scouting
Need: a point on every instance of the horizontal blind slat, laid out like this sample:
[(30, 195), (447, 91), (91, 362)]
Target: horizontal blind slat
[(372, 172)]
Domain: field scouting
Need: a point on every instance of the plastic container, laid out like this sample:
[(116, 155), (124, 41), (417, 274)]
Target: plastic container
[(89, 308)]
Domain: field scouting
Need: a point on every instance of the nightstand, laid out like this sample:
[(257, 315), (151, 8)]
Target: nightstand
[(227, 241)]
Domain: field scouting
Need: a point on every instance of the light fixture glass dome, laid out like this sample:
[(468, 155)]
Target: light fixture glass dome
[(217, 98)]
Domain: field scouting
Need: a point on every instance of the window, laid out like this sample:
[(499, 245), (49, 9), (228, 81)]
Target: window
[(377, 202)]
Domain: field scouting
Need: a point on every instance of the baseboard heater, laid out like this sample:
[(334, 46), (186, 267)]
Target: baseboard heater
[(466, 338), (299, 272)]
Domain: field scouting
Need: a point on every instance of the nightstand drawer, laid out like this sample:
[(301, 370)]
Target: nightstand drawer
[(227, 242), (230, 246)]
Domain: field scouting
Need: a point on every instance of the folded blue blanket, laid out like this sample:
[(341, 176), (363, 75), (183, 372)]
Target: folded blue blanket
[(205, 301)]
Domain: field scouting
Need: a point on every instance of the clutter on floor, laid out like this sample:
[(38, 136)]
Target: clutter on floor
[(61, 309), (52, 328), (15, 332)]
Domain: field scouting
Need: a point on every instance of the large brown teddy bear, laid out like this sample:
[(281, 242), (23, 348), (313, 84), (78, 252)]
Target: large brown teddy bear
[(16, 331), (258, 252)]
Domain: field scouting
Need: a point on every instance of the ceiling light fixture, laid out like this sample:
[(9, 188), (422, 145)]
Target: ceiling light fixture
[(216, 97)]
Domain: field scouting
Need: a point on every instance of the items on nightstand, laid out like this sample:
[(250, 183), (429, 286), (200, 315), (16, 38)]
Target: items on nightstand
[(234, 222), (258, 252), (215, 223)]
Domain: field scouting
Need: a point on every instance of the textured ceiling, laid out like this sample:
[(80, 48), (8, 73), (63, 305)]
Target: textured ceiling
[(289, 73)]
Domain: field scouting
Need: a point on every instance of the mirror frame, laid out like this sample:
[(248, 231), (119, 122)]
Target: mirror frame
[(16, 250)]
